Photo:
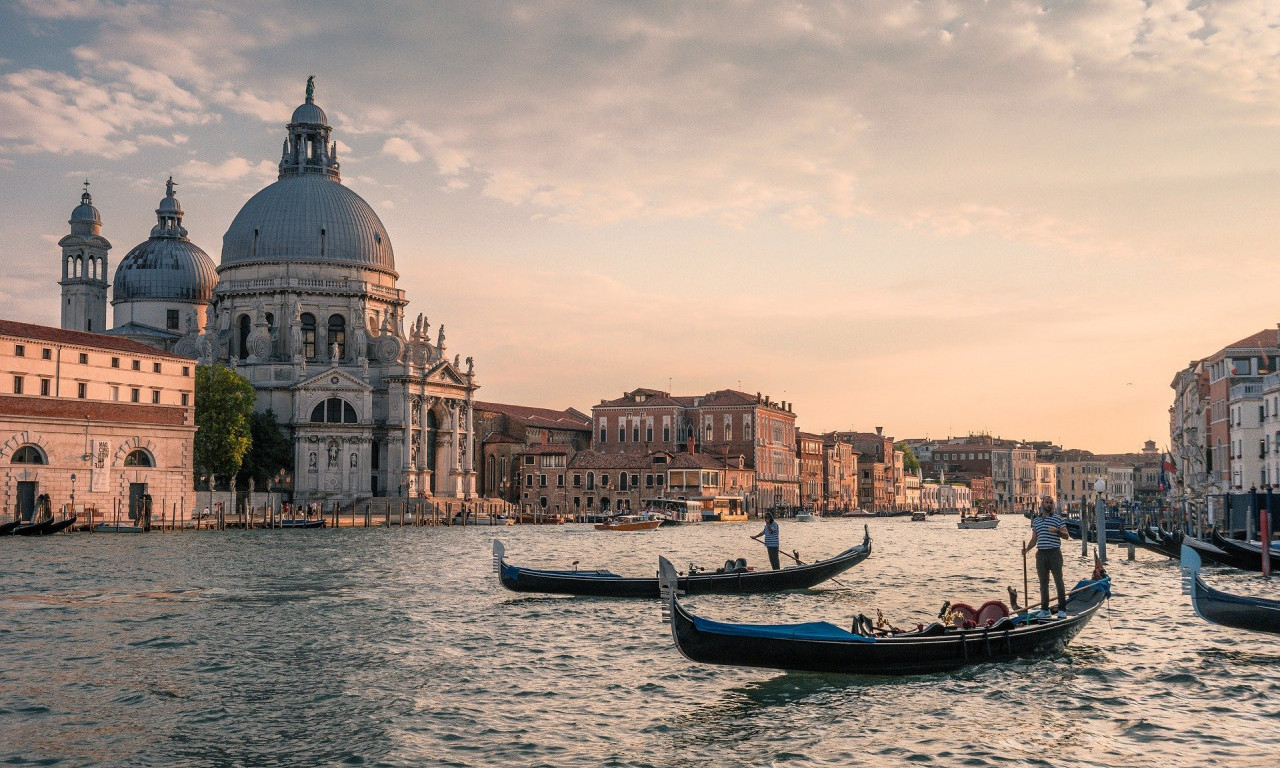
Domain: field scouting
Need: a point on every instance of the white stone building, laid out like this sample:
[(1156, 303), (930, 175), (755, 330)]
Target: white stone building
[(306, 307)]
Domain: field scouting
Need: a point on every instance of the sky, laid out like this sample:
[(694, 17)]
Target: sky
[(935, 217)]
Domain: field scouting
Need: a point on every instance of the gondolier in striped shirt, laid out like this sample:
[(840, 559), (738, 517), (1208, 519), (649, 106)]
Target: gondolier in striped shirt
[(770, 534), (1048, 529)]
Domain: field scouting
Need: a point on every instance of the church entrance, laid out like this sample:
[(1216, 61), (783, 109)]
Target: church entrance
[(137, 500)]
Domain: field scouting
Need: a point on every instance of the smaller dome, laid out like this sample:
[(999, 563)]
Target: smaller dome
[(85, 212), (309, 113), (165, 269)]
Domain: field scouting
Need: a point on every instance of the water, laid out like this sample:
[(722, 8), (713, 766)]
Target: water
[(398, 647)]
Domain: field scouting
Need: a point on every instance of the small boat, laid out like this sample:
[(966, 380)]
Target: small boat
[(44, 527), (1115, 529), (6, 529), (1245, 555), (735, 580), (1216, 607), (978, 521), (630, 523), (117, 527), (919, 516), (301, 522), (806, 517), (819, 646)]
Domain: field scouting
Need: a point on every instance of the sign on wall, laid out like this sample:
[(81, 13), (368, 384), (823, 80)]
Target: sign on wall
[(99, 461)]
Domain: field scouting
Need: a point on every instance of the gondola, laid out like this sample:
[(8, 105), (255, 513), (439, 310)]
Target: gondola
[(1216, 607), (820, 646), (34, 528), (6, 529), (1156, 541), (301, 522), (601, 583), (1244, 555), (1115, 529)]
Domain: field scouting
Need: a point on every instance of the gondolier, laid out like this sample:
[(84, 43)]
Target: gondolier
[(1048, 529), (770, 534)]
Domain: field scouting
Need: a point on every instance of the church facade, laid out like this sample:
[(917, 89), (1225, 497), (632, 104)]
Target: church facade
[(304, 304)]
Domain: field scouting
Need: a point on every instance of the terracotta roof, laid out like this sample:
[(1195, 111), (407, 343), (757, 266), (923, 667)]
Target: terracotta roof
[(81, 339), (500, 437), (653, 398), (1268, 339), (94, 410), (628, 461), (730, 397), (542, 418)]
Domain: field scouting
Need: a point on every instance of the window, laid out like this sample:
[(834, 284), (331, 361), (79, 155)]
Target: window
[(337, 335), (648, 433), (186, 399), (28, 454), (542, 481), (308, 322), (171, 319), (591, 481), (577, 481), (334, 410), (528, 481), (559, 481), (137, 365), (115, 393), (635, 432), (19, 350), (648, 481), (138, 458), (44, 387), (155, 396), (622, 432), (666, 433), (46, 354), (604, 434), (186, 370), (622, 481), (155, 368), (528, 460), (244, 336), (84, 358), (17, 385), (135, 394), (115, 362), (658, 479), (82, 390)]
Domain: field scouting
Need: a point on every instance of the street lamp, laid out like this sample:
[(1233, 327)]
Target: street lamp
[(73, 495)]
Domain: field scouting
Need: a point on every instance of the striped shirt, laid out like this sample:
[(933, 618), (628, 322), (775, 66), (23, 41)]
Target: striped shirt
[(1046, 529), (770, 534)]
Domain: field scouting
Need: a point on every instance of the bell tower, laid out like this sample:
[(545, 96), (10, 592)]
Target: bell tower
[(84, 269)]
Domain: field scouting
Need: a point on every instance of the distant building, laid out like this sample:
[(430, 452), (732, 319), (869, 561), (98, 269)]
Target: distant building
[(877, 483), (507, 432), (104, 419), (809, 452), (839, 474)]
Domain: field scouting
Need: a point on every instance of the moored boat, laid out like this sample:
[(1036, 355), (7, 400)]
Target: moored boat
[(738, 579), (117, 527), (820, 646), (6, 529), (919, 516), (1217, 607), (1245, 555), (629, 523), (300, 522), (986, 520)]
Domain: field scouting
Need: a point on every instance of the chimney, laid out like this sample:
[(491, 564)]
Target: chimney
[(880, 431), (689, 445)]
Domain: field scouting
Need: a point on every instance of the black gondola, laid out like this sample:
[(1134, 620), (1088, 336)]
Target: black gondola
[(601, 583), (823, 647), (1244, 555), (6, 529), (34, 528), (1252, 613), (301, 522), (1156, 540), (1115, 529)]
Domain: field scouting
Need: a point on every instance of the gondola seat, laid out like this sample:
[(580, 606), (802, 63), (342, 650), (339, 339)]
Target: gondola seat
[(965, 615), (991, 611)]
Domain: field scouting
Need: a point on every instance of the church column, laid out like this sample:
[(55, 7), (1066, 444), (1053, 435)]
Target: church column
[(426, 471), (468, 456)]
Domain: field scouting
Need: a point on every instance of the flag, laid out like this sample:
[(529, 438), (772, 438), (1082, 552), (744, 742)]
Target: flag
[(1167, 472)]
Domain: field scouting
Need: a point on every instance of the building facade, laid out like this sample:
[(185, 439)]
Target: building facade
[(95, 423), (506, 432)]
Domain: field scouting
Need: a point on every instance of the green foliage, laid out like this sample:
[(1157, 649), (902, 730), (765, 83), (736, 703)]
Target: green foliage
[(224, 411), (270, 452), (909, 461)]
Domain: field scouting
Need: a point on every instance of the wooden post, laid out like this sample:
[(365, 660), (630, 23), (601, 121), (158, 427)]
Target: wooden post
[(1264, 530), (401, 514)]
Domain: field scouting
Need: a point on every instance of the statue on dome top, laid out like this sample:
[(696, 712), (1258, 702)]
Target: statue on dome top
[(311, 87)]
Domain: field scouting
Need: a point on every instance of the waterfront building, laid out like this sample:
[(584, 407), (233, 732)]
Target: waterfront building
[(810, 455), (721, 423), (1188, 431), (1013, 475), (930, 496), (603, 483), (1046, 479), (1119, 483), (877, 484), (1077, 472), (507, 432), (307, 308), (1271, 430), (1246, 448), (1246, 361), (911, 493), (839, 474), (955, 497), (95, 421)]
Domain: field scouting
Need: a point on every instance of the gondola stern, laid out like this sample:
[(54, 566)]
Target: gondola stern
[(1190, 564), (499, 552)]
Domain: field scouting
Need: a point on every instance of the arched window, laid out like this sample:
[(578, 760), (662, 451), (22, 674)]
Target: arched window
[(244, 336), (337, 335), (591, 481), (335, 410), (28, 454), (308, 321), (138, 458)]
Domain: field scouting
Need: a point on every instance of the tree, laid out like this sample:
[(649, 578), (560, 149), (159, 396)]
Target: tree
[(909, 461), (224, 410), (270, 452)]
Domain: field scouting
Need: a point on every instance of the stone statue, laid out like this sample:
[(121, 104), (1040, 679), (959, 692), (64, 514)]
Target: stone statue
[(295, 331), (333, 353), (359, 334), (457, 361), (192, 323), (333, 453), (311, 87), (355, 462), (471, 367), (311, 461), (440, 340)]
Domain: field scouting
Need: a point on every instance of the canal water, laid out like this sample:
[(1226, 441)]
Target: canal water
[(399, 648)]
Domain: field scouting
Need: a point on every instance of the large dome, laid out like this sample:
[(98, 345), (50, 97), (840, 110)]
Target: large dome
[(308, 218), (168, 266)]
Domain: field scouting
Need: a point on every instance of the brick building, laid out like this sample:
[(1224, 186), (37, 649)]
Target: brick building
[(506, 432)]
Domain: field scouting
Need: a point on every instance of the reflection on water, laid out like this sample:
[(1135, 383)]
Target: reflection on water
[(398, 647)]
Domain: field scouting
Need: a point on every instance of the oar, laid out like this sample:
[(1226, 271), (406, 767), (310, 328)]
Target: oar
[(796, 556), (1026, 585), (1069, 594)]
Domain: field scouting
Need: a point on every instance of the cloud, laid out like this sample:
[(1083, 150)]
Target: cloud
[(401, 150), (198, 173)]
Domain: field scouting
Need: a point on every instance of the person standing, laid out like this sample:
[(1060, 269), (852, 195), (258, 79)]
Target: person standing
[(1048, 529), (770, 534)]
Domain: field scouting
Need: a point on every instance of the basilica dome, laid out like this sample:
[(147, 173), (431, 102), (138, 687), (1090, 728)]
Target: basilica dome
[(308, 215), (167, 266)]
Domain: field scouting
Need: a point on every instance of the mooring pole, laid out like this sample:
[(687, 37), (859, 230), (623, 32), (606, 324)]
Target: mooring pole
[(1101, 517), (1264, 530)]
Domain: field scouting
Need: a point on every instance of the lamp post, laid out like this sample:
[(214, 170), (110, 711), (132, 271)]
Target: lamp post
[(1101, 521), (73, 495)]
